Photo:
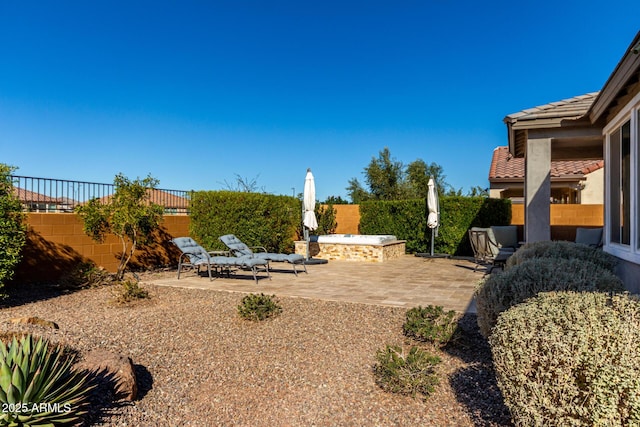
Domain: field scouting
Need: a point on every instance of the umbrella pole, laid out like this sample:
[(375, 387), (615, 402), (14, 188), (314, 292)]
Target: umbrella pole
[(432, 239), (306, 238)]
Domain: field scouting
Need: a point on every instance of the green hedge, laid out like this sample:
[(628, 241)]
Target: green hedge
[(407, 220), (274, 221), (570, 359), (256, 219)]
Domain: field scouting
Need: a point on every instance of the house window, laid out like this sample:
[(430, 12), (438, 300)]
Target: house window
[(622, 162), (620, 185)]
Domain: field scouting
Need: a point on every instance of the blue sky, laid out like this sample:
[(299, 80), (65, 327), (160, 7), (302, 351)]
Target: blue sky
[(199, 93)]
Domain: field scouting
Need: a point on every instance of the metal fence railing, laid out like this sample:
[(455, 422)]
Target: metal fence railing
[(57, 195)]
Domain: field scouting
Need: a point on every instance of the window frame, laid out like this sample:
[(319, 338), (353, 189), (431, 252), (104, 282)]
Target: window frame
[(630, 113)]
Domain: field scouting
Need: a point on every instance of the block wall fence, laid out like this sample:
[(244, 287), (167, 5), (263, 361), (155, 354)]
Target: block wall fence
[(56, 242), (564, 219)]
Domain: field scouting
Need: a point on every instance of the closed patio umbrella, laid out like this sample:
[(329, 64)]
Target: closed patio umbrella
[(433, 206), (309, 220), (309, 198), (433, 218)]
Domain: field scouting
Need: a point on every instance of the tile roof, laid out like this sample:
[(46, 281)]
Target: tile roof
[(160, 197), (505, 166), (570, 108), (27, 196), (167, 199)]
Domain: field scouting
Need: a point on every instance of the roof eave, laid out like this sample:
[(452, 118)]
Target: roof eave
[(629, 64)]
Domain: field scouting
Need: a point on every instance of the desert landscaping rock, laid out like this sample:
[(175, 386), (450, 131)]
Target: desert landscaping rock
[(199, 364), (35, 321), (117, 369)]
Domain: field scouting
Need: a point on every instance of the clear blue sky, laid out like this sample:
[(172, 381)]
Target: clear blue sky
[(197, 93)]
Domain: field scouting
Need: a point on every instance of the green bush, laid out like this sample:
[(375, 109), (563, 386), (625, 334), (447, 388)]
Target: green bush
[(560, 249), (256, 219), (500, 291), (128, 289), (570, 359), (430, 324), (12, 226), (38, 385), (406, 373), (259, 307), (407, 220)]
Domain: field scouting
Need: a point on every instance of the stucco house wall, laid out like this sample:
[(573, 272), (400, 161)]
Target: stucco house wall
[(593, 191), (600, 125)]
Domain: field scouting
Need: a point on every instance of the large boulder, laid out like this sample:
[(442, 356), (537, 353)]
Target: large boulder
[(112, 368)]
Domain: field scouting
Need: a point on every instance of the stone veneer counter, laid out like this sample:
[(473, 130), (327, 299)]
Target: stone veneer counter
[(353, 251)]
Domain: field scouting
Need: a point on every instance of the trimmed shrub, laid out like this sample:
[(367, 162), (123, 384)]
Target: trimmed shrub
[(570, 359), (259, 307), (257, 219), (407, 219), (560, 249), (430, 324), (406, 373), (128, 289), (501, 291)]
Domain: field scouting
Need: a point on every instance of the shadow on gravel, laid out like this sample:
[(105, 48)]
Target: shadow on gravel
[(18, 295), (102, 399), (145, 381), (49, 269), (475, 386)]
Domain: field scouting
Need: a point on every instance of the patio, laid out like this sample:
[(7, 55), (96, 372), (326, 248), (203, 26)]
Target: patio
[(407, 281)]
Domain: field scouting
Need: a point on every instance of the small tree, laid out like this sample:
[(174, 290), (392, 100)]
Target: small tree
[(389, 179), (12, 226), (385, 177), (128, 214)]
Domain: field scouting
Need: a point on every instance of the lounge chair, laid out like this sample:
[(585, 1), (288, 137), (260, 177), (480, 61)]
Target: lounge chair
[(486, 250), (240, 249), (195, 256)]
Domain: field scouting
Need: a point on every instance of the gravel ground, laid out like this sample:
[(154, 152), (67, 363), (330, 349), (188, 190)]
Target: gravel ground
[(199, 364)]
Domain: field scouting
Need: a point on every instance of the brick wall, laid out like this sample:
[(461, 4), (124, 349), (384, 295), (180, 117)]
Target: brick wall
[(348, 218), (564, 219), (56, 242), (566, 215)]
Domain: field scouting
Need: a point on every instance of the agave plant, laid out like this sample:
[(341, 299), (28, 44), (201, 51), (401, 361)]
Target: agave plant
[(38, 385)]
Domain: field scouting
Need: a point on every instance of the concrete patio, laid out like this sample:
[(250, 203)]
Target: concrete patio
[(408, 281)]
